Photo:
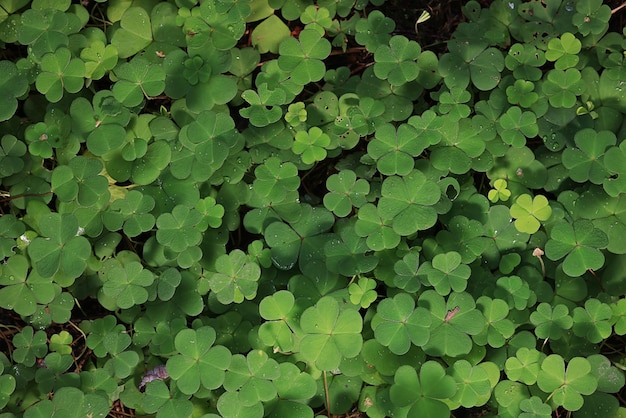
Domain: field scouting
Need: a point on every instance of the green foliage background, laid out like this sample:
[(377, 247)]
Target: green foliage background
[(297, 209)]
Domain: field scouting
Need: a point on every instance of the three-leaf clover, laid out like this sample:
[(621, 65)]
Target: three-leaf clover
[(127, 285), (394, 149), (331, 333), (566, 386), (363, 293), (445, 273), (62, 250), (396, 62), (425, 394), (303, 57), (528, 211), (199, 362), (345, 192), (579, 243), (398, 324), (311, 145), (236, 277), (551, 322)]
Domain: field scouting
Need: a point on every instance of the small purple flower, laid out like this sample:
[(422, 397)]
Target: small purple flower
[(158, 373)]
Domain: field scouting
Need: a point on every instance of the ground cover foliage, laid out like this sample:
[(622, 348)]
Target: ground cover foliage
[(249, 208)]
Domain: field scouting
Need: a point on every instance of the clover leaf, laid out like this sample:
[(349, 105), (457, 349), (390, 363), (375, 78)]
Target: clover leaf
[(177, 230), (70, 402), (133, 212), (514, 126), (127, 285), (515, 291), (236, 277), (29, 346), (499, 327), (592, 321), (264, 109), (396, 61), (22, 292), (165, 403), (138, 79), (282, 321), (551, 322), (378, 229), (424, 394), (564, 51), (252, 376), (374, 31), (331, 334), (585, 162), (522, 93), (534, 407), (59, 72), (524, 60), (528, 211), (348, 256), (591, 17), (525, 366), (579, 243), (472, 382), (363, 293), (499, 191), (473, 61), (63, 251), (80, 180), (409, 202), (10, 229), (269, 34), (452, 322), (562, 87), (398, 324), (566, 386), (199, 362), (345, 192), (311, 145), (134, 32), (445, 273), (99, 59), (303, 57), (12, 86), (394, 149)]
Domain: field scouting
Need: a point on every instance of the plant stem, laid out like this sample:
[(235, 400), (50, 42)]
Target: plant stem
[(326, 394)]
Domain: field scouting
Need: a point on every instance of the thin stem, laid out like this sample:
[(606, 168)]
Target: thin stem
[(327, 395), (618, 8)]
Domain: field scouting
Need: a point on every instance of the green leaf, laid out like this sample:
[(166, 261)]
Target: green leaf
[(177, 230), (472, 382), (514, 126), (452, 322), (398, 324), (345, 192), (236, 278), (564, 51), (529, 211), (445, 273), (134, 33), (378, 230), (566, 386), (99, 59), (349, 255), (562, 87), (60, 72), (374, 31), (199, 362), (551, 322), (409, 201), (579, 243), (303, 57), (29, 346), (127, 285), (396, 62), (424, 394), (525, 366), (363, 292), (138, 79), (586, 162), (269, 34), (499, 327), (12, 86), (592, 321), (311, 145), (394, 150), (252, 377), (63, 251), (330, 334)]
